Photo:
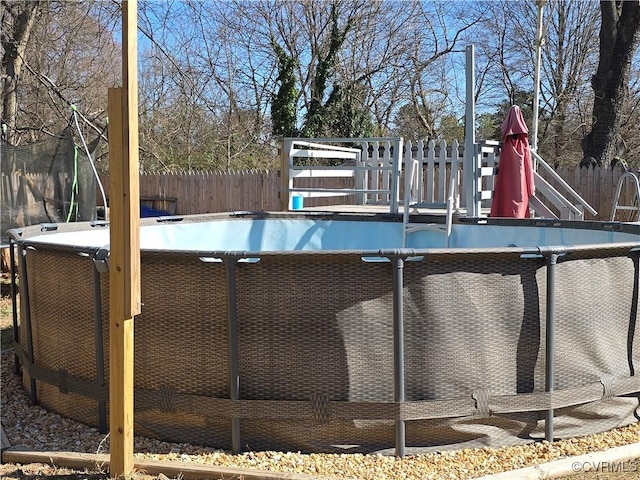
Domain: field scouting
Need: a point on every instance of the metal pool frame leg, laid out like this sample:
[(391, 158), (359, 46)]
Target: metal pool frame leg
[(234, 367), (100, 265), (634, 254), (24, 287), (398, 350), (550, 340), (14, 305)]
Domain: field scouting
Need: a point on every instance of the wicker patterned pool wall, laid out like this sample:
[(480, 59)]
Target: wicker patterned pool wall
[(427, 350)]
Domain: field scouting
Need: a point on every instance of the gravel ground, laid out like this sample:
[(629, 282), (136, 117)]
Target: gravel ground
[(38, 429)]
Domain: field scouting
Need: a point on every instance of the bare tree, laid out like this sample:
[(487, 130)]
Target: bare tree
[(208, 71), (619, 38), (568, 53), (18, 20), (505, 53), (444, 29), (375, 56), (69, 58), (629, 131), (202, 88)]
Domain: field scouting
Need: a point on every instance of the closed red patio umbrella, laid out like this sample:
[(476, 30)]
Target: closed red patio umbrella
[(514, 180)]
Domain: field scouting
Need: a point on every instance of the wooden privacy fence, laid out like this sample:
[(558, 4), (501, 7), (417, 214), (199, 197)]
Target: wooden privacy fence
[(210, 192)]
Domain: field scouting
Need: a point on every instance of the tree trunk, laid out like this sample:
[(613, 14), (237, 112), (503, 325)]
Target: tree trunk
[(619, 37), (14, 46)]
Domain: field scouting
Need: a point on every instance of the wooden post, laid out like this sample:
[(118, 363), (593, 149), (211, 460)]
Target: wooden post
[(285, 146), (124, 256)]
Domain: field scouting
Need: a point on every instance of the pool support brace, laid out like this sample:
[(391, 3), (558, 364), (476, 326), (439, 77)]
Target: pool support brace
[(100, 266), (552, 260), (14, 304), (234, 364), (33, 394), (398, 350)]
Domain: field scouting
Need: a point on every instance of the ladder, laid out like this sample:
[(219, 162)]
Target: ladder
[(636, 204), (411, 203)]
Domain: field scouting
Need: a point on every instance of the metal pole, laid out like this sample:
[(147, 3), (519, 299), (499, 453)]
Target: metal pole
[(536, 82), (550, 340), (26, 316), (14, 304), (99, 265), (471, 176), (234, 364), (398, 350)]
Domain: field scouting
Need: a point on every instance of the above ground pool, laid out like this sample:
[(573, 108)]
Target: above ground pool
[(345, 332)]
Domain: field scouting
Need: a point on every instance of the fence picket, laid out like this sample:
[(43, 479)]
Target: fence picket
[(430, 180)]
